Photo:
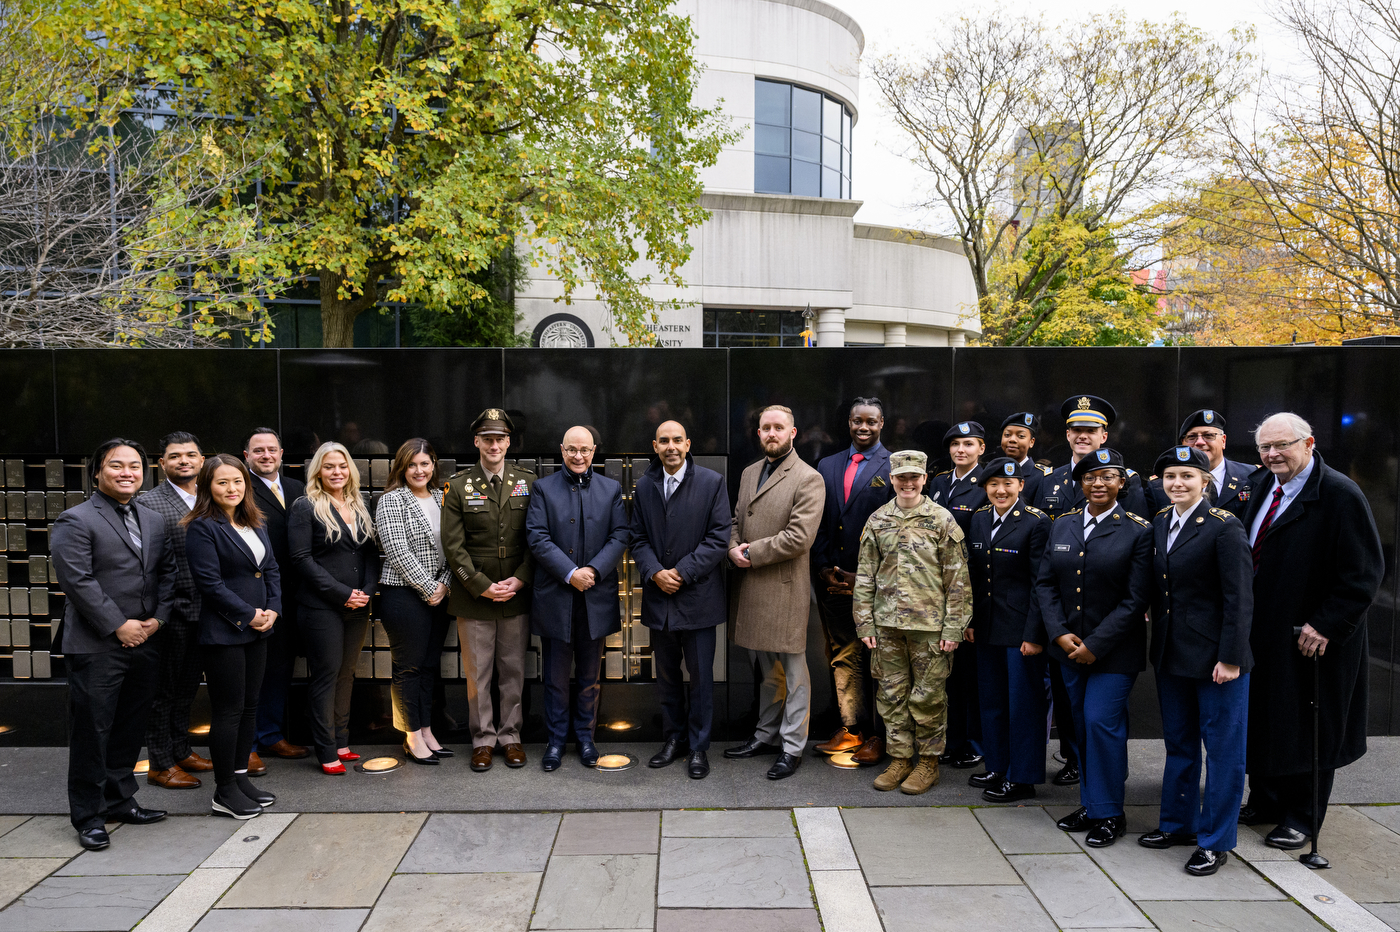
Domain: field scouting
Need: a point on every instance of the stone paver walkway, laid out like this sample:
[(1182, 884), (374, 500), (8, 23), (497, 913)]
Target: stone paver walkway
[(777, 870)]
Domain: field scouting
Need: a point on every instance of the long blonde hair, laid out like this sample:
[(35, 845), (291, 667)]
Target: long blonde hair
[(323, 504)]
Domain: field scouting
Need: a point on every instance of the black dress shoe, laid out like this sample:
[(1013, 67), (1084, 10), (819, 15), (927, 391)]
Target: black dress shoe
[(1206, 862), (1252, 815), (94, 839), (672, 750), (963, 761), (1285, 838), (588, 752), (1068, 775), (553, 757), (698, 766), (1160, 839), (785, 766), (137, 816), (751, 748), (1009, 792), (1076, 821), (984, 780), (1106, 831)]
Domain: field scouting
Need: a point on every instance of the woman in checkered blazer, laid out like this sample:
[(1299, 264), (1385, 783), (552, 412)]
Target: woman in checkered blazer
[(413, 592)]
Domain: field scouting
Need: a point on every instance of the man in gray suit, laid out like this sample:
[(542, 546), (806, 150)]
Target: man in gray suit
[(117, 573), (168, 730)]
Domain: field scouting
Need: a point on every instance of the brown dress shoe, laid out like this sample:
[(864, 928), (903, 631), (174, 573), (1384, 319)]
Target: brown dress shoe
[(481, 759), (256, 768), (285, 749), (871, 752), (172, 779), (194, 763), (843, 740), (515, 755)]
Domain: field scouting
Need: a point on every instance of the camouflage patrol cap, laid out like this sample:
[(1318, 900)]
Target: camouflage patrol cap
[(907, 462), (493, 421)]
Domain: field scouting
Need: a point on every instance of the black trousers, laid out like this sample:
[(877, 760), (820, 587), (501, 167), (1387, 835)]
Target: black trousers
[(585, 654), (168, 728), (1288, 798), (416, 632), (964, 707), (333, 640), (697, 648), (109, 698), (850, 664), (235, 675), (282, 650)]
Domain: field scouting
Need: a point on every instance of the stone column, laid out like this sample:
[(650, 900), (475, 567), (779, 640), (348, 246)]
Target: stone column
[(831, 326), (957, 338), (896, 335)]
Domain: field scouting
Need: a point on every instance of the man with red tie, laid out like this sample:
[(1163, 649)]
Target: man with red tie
[(1318, 564), (857, 482)]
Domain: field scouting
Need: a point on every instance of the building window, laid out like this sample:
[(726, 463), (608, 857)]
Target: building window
[(752, 328), (802, 142)]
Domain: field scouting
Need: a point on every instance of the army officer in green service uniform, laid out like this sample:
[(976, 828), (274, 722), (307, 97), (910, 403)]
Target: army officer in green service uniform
[(483, 537)]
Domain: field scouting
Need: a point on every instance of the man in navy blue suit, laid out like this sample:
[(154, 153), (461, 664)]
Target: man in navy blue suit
[(857, 482), (577, 530)]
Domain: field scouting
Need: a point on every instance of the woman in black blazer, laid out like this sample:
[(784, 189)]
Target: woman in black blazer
[(331, 539), (1094, 586), (1202, 605), (1005, 542), (230, 558)]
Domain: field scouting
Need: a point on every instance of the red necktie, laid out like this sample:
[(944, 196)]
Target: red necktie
[(1264, 527), (851, 469)]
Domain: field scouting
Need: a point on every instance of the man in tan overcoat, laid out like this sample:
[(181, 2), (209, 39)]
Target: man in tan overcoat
[(775, 523)]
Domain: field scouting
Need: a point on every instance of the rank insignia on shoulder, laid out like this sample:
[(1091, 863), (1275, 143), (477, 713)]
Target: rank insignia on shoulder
[(520, 489), (1220, 513)]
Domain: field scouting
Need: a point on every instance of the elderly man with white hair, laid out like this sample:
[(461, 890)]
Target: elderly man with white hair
[(1317, 566)]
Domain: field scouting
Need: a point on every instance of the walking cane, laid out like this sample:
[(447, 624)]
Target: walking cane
[(1312, 859)]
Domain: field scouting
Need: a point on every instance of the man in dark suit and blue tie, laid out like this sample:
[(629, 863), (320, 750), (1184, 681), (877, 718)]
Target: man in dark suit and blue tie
[(118, 573), (274, 494), (857, 482), (576, 527)]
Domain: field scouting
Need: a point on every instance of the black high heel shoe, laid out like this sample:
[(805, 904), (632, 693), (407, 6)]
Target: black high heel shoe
[(408, 752), (442, 752)]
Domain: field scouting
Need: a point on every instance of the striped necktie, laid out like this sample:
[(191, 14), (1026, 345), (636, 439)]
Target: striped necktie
[(1269, 516)]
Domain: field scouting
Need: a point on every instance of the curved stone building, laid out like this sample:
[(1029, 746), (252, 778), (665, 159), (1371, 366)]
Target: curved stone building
[(783, 234)]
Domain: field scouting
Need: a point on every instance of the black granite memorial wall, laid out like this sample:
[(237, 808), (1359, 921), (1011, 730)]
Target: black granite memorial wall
[(62, 403)]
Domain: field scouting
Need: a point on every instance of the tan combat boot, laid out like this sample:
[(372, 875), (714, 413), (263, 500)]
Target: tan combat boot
[(924, 776), (894, 774)]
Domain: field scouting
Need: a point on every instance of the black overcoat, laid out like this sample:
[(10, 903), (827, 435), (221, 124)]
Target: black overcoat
[(1098, 589), (1003, 572), (1202, 593), (688, 533), (1321, 564)]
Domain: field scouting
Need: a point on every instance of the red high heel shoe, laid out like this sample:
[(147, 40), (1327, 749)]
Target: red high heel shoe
[(348, 756), (333, 770)]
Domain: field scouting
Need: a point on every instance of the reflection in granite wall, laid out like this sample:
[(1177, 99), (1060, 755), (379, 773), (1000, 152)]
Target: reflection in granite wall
[(64, 402)]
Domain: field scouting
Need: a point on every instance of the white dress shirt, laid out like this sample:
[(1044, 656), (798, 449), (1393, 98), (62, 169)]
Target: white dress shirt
[(1178, 521), (998, 518), (185, 497), (670, 482), (1217, 476), (1090, 520), (275, 484), (1291, 488)]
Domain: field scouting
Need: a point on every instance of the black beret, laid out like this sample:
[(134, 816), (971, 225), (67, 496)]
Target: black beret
[(964, 429), (1023, 419), (1182, 456), (1002, 467), (1102, 458), (1202, 418)]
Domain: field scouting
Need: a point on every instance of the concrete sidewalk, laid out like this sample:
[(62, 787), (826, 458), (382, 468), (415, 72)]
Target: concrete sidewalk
[(444, 849), (928, 869)]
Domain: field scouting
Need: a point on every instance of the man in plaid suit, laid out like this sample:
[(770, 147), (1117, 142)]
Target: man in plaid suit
[(167, 728)]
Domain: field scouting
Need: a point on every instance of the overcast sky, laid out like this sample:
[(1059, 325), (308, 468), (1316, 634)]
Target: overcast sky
[(886, 182)]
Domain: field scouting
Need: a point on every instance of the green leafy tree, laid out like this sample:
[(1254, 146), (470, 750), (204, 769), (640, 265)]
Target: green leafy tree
[(407, 143)]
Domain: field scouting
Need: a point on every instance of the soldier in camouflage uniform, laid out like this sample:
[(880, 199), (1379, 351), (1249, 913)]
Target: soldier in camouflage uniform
[(913, 600)]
